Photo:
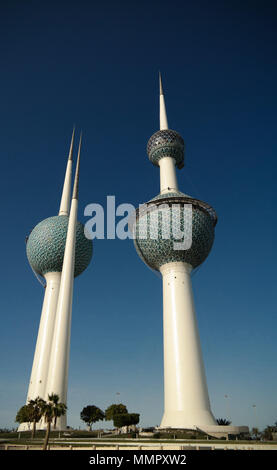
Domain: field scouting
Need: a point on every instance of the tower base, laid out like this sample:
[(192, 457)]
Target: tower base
[(42, 425), (211, 430), (182, 420), (224, 431)]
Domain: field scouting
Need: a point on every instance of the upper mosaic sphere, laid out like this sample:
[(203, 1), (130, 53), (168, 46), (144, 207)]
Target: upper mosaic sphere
[(162, 224), (46, 244), (166, 143)]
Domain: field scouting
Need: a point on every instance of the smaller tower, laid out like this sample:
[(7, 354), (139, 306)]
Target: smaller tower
[(59, 358), (45, 258), (45, 252)]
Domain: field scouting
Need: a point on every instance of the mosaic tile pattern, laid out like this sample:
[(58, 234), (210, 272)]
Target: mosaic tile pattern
[(203, 205), (159, 251), (46, 244), (166, 143), (168, 195)]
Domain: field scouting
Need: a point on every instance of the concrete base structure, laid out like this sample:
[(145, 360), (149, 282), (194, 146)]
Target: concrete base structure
[(212, 431), (224, 431)]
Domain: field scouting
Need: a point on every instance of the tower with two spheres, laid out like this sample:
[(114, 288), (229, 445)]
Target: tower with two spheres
[(155, 230)]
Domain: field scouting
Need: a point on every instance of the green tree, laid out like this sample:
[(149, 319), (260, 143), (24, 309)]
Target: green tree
[(31, 413), (255, 432), (52, 410), (267, 433), (125, 419), (58, 408), (91, 414), (223, 422), (121, 420), (134, 418), (23, 415), (113, 410), (35, 409)]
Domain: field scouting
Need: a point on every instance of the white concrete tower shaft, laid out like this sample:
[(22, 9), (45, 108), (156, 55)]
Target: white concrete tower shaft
[(186, 400), (59, 358)]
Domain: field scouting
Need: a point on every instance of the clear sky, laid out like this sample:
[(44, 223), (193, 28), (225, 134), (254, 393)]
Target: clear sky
[(95, 65)]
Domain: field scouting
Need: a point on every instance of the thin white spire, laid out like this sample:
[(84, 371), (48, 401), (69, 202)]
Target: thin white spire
[(168, 179), (65, 199), (76, 181), (59, 359), (163, 116)]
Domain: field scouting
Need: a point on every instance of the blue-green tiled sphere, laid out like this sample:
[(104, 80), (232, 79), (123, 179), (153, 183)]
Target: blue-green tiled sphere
[(159, 251), (46, 244), (166, 143)]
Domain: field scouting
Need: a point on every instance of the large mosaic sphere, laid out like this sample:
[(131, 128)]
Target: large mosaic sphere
[(162, 223), (46, 244), (166, 143)]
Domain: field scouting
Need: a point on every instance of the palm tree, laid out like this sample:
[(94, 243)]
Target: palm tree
[(23, 415), (52, 409), (35, 408), (256, 432), (59, 409), (223, 422)]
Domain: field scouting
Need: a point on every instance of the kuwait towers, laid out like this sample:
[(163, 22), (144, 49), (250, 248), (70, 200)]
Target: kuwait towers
[(58, 250), (173, 234)]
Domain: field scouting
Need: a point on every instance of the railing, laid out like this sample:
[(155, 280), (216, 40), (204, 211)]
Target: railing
[(138, 447)]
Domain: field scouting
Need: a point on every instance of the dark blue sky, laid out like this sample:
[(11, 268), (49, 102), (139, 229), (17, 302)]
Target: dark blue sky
[(96, 66)]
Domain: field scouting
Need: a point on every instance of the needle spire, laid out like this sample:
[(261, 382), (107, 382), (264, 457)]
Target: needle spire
[(163, 116), (76, 180), (65, 199)]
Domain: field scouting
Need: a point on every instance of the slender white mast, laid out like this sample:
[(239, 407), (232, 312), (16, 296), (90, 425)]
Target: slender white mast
[(168, 179), (65, 199), (59, 359), (163, 115)]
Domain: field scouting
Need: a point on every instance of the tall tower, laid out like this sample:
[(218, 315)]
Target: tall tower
[(58, 250), (160, 224)]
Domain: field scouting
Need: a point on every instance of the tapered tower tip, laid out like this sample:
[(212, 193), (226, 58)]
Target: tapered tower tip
[(71, 144), (76, 180), (65, 199), (161, 84), (163, 116)]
